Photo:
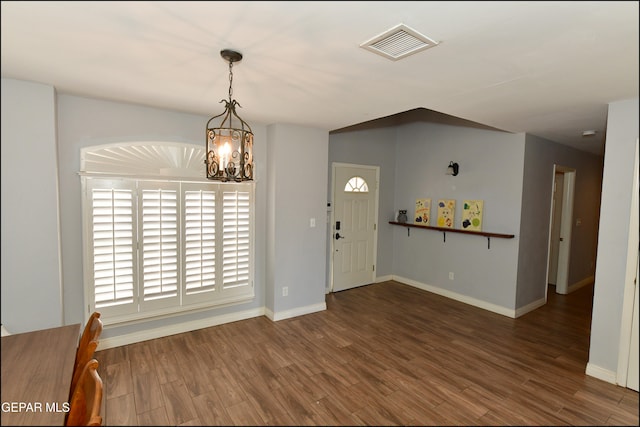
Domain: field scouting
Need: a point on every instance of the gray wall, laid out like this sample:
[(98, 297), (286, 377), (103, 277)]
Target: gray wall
[(297, 193), (613, 235), (53, 293), (84, 122), (371, 148), (31, 270), (414, 167), (491, 165), (422, 152), (413, 159), (540, 157)]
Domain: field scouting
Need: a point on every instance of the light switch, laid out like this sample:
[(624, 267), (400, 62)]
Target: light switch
[(312, 222)]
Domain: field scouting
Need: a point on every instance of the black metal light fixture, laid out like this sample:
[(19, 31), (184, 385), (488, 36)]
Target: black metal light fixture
[(229, 139), (453, 168)]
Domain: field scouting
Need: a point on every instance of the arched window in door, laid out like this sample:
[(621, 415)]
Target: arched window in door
[(356, 184)]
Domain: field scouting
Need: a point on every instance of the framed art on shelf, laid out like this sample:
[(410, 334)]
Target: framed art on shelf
[(446, 212), (423, 212), (472, 215)]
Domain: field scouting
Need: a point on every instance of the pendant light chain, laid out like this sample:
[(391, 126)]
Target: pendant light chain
[(230, 80)]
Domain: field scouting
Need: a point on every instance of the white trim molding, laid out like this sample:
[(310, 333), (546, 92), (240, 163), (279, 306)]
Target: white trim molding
[(530, 307), (178, 328), (458, 297), (601, 373), (299, 311), (580, 284)]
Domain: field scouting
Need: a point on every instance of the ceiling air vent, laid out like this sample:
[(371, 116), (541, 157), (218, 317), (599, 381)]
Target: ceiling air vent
[(398, 42)]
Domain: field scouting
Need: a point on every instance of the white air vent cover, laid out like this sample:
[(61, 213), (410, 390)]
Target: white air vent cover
[(398, 42)]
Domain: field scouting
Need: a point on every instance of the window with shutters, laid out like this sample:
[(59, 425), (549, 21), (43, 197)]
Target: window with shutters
[(161, 246)]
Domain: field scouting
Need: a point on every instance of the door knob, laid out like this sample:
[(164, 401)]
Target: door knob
[(338, 236)]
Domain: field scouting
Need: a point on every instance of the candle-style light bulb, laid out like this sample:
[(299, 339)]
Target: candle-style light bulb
[(224, 154)]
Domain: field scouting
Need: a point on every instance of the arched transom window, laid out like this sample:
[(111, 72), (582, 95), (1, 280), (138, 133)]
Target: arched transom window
[(356, 184)]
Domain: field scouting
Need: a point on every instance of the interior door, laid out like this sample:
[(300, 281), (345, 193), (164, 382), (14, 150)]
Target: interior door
[(355, 198), (555, 227), (565, 220)]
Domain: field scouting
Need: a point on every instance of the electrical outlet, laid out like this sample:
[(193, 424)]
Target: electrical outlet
[(450, 275), (285, 291)]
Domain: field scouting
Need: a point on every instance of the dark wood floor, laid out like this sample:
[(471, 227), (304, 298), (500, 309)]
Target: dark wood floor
[(383, 354)]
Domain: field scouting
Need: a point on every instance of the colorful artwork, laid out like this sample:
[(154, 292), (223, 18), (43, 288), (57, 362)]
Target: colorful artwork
[(423, 212), (472, 215), (446, 212)]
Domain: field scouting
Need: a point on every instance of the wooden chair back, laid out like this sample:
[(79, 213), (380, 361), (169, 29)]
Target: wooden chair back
[(92, 329), (87, 346), (86, 401)]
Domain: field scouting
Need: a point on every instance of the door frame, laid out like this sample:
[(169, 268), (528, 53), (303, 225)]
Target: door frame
[(631, 279), (331, 230), (566, 222)]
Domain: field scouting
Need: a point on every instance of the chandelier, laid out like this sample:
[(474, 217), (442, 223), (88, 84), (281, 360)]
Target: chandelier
[(229, 138)]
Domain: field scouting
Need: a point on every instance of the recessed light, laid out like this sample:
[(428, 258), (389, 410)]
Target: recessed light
[(588, 133)]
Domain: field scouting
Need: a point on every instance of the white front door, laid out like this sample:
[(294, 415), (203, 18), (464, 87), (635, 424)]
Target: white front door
[(355, 199)]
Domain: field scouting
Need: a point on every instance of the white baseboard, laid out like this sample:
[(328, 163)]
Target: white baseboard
[(584, 282), (537, 304), (178, 328), (601, 373), (530, 307), (386, 278), (378, 279), (458, 297), (299, 311), (592, 370)]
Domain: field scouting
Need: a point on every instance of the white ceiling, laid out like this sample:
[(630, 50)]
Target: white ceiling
[(545, 68)]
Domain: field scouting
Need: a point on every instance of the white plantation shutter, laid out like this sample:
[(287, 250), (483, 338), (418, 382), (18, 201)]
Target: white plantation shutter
[(112, 229), (160, 246), (236, 227), (159, 243), (199, 243)]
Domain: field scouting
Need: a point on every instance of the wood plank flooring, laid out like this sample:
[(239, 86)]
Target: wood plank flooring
[(382, 354)]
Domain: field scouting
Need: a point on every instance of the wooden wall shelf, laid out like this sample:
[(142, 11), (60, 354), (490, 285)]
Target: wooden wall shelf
[(454, 230)]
